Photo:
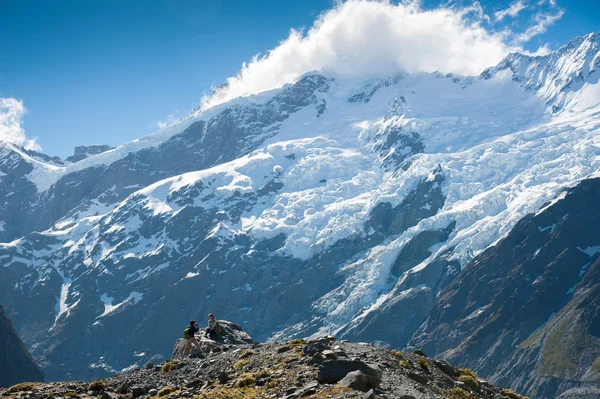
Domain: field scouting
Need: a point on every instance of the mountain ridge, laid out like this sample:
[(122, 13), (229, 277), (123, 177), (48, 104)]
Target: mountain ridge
[(389, 187)]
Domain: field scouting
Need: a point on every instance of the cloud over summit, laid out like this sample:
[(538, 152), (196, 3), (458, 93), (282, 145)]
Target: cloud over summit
[(11, 129), (370, 38)]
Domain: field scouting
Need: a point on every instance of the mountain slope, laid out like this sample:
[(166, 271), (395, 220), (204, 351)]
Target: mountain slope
[(16, 365), (526, 311), (326, 206)]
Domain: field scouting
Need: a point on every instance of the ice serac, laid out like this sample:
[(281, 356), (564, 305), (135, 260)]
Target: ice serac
[(526, 312), (16, 365), (327, 206), (82, 152)]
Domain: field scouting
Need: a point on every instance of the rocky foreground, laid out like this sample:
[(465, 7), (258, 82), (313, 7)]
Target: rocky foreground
[(321, 368)]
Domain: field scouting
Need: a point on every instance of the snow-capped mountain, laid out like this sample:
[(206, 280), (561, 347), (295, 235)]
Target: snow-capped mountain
[(327, 205)]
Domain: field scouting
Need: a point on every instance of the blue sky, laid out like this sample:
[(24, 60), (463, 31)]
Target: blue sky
[(106, 72)]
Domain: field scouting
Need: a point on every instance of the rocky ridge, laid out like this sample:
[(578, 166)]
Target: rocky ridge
[(16, 364), (319, 368)]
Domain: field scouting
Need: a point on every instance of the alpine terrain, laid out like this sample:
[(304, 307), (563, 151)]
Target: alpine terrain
[(452, 214), (16, 365)]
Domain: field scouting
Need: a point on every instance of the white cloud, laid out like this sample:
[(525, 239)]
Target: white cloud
[(512, 11), (542, 23), (11, 119), (362, 37), (369, 38), (171, 119)]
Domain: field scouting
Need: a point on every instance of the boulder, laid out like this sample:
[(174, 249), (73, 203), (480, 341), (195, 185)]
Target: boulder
[(138, 391), (356, 380), (315, 346), (232, 335), (333, 371), (446, 367)]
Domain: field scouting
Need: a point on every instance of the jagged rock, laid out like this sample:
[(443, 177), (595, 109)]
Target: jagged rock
[(232, 334), (223, 377), (271, 375), (16, 365), (109, 395), (138, 391), (329, 354), (356, 380), (316, 346), (420, 378), (446, 368), (332, 371), (369, 395)]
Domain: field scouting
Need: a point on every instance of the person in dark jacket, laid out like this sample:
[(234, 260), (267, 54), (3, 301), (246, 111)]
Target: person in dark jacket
[(189, 335)]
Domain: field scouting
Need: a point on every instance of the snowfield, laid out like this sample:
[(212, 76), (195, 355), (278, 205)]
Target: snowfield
[(506, 143)]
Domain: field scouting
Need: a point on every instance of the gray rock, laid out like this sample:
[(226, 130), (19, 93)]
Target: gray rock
[(223, 377), (153, 392), (15, 362), (420, 378), (369, 395), (138, 391), (446, 367), (356, 380), (232, 334), (109, 395), (333, 371), (315, 346)]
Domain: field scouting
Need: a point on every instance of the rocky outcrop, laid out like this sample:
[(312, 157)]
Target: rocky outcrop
[(283, 370), (16, 365), (82, 152), (526, 312), (232, 334)]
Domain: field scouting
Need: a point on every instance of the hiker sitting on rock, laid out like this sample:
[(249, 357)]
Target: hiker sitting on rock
[(213, 327), (188, 334)]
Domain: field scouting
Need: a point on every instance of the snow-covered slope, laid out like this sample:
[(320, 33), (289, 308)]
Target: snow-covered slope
[(324, 206)]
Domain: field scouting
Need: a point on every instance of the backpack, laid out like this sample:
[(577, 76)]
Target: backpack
[(187, 333), (218, 328)]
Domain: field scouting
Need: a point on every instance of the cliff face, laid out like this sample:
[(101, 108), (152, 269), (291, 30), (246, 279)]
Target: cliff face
[(526, 312), (16, 365)]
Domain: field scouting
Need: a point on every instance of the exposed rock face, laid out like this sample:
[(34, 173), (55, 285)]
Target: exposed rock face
[(82, 152), (232, 334), (267, 371), (324, 206), (526, 312), (16, 365)]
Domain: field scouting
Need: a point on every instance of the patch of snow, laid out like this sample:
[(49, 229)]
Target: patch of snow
[(590, 251)]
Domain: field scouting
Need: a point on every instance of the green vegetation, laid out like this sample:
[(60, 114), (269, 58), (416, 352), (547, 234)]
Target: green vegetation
[(512, 394), (97, 386), (167, 390), (407, 364), (297, 342), (459, 393), (423, 363), (469, 381), (70, 394), (469, 372), (241, 364), (246, 354), (246, 380), (170, 365), (22, 387)]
